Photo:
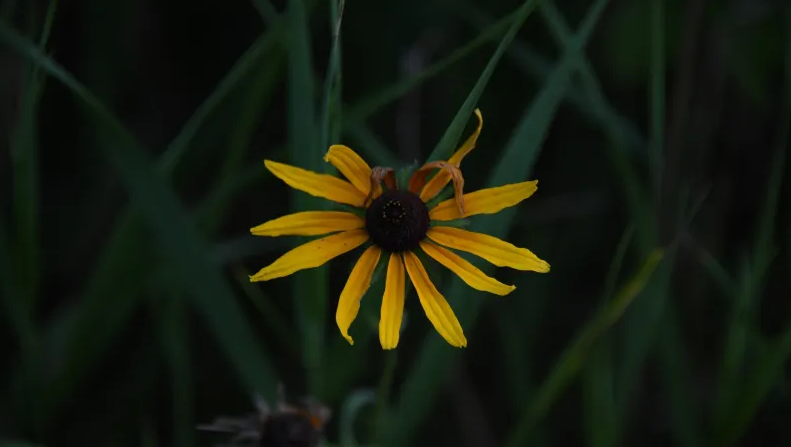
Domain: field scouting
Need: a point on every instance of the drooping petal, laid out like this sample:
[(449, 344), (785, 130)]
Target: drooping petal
[(312, 254), (392, 304), (309, 223), (419, 177), (434, 304), (485, 201), (319, 185), (470, 274), (351, 165), (380, 174), (356, 286), (494, 250), (435, 185)]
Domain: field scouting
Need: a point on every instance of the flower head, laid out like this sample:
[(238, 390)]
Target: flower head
[(397, 222)]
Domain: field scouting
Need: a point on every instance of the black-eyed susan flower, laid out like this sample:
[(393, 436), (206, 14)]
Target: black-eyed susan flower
[(397, 220)]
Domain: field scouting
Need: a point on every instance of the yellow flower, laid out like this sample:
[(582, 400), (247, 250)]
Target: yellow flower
[(397, 222)]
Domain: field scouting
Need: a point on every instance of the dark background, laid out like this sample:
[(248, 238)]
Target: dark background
[(131, 171)]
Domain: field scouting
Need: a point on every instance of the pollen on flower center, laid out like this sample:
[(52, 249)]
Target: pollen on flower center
[(397, 221)]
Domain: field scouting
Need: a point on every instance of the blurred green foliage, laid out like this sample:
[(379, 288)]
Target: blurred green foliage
[(131, 167)]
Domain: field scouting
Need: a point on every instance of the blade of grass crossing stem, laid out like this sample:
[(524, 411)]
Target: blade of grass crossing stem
[(127, 252), (424, 380), (25, 162), (615, 129), (641, 327), (589, 100), (374, 102), (258, 96), (331, 116), (769, 367), (743, 407), (252, 58), (309, 286), (598, 387), (451, 136), (171, 319), (639, 330), (175, 233), (574, 356), (614, 126)]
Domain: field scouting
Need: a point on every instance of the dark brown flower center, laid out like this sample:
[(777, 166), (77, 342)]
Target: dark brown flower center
[(397, 221)]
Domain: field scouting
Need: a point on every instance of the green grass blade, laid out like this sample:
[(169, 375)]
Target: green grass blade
[(574, 356), (616, 127), (599, 396), (229, 180), (14, 309), (657, 145), (310, 286), (170, 314), (274, 320), (425, 378), (679, 385), (25, 164), (374, 102), (450, 138), (176, 234), (331, 114), (369, 145), (765, 374), (589, 99), (740, 407), (266, 10), (598, 376), (251, 59)]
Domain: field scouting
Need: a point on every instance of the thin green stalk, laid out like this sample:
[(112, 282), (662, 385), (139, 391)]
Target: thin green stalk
[(450, 138), (310, 286), (657, 145), (25, 163), (330, 123)]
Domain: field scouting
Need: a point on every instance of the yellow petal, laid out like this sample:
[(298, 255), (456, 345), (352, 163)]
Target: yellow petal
[(309, 223), (435, 185), (392, 304), (485, 201), (356, 286), (434, 304), (468, 273), (496, 251), (319, 185), (351, 165), (312, 254)]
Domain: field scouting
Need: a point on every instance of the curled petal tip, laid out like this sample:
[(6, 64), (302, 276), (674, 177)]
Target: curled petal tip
[(348, 338)]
